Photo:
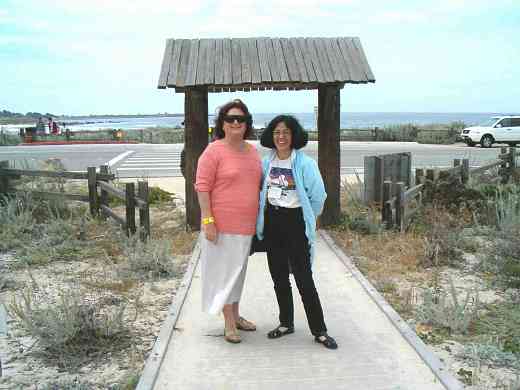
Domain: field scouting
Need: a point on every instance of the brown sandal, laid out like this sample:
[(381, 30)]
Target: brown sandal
[(232, 336), (246, 325)]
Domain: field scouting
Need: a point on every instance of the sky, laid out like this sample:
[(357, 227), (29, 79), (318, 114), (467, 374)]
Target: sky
[(80, 57)]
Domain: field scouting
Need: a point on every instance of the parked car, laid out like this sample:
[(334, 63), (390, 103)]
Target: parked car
[(499, 129)]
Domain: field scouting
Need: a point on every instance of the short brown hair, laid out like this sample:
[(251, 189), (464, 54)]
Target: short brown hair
[(223, 110)]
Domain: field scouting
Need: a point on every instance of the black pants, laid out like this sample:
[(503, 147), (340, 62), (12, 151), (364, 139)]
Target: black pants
[(288, 245)]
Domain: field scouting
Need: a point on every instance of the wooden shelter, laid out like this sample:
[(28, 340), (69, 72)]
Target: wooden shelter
[(198, 66)]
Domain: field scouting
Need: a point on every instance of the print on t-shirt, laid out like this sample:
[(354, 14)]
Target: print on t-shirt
[(282, 178)]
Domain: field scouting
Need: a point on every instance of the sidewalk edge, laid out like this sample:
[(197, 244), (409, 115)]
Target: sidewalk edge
[(156, 357), (431, 360)]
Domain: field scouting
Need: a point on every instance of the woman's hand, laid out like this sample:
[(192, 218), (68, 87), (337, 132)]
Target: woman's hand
[(210, 232)]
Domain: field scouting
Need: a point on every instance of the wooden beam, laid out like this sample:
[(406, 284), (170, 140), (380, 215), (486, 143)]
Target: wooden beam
[(329, 150), (195, 141)]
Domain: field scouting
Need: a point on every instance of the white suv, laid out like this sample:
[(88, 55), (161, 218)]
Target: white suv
[(500, 129)]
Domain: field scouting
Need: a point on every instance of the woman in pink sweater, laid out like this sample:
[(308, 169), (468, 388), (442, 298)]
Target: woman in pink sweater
[(228, 186)]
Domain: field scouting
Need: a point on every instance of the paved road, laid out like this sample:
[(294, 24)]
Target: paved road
[(150, 160)]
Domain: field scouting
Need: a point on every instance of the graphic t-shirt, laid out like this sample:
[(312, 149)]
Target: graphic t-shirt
[(281, 188)]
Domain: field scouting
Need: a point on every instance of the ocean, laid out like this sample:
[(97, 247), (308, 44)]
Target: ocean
[(348, 120)]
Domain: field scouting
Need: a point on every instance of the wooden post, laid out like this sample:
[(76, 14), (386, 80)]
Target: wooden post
[(430, 175), (379, 178), (512, 159), (144, 212), (130, 208), (503, 167), (103, 198), (465, 170), (329, 150), (4, 179), (386, 210), (195, 141), (399, 205), (92, 191), (419, 176)]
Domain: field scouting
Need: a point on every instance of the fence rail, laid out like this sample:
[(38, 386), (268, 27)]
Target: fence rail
[(400, 204), (98, 203)]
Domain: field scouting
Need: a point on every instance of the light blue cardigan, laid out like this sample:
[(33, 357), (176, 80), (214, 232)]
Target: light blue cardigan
[(309, 187)]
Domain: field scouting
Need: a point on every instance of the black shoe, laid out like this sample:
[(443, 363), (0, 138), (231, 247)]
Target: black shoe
[(328, 341), (277, 332)]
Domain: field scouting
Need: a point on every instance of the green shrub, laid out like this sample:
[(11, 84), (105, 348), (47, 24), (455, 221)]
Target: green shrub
[(16, 221), (74, 320), (149, 259), (447, 311), (501, 321), (67, 384), (491, 354)]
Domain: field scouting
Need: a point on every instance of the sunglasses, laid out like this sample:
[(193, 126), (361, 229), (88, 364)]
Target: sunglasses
[(233, 118)]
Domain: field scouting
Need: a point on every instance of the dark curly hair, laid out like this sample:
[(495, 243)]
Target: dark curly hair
[(299, 135), (223, 110)]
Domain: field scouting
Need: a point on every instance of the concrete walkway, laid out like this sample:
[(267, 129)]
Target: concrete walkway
[(376, 351)]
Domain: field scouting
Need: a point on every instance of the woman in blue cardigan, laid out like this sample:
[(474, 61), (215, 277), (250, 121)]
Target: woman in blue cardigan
[(291, 199)]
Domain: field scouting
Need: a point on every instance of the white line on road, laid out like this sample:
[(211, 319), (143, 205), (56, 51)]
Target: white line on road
[(115, 160), (155, 169)]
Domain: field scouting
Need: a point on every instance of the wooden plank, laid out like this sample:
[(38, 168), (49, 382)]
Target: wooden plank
[(110, 213), (313, 54), (4, 178), (290, 60), (130, 208), (183, 64), (165, 67), (256, 76), (174, 63), (271, 59), (345, 67), (484, 168), (386, 209), (64, 175), (210, 62), (412, 192), (265, 73), (366, 66), (244, 56), (307, 60), (354, 56), (323, 58), (236, 61), (280, 60), (355, 75), (200, 78), (219, 61), (60, 196), (191, 75), (337, 65), (112, 190), (369, 164), (300, 61), (226, 62)]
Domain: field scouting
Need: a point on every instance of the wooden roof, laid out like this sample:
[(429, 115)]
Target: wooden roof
[(262, 63)]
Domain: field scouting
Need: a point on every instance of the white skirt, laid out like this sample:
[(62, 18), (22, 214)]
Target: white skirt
[(223, 270)]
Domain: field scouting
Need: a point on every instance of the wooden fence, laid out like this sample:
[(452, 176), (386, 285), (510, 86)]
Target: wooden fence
[(400, 203), (98, 202), (396, 167)]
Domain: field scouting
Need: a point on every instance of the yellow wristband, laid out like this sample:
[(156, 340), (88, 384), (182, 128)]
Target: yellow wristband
[(207, 221)]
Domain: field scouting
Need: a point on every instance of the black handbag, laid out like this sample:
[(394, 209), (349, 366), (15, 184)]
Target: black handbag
[(257, 245)]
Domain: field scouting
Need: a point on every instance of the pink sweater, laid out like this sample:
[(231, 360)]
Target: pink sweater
[(233, 180)]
